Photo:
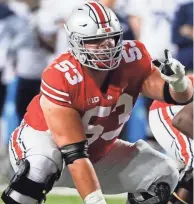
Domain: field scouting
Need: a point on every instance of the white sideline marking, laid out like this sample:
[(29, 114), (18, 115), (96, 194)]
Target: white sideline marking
[(70, 192)]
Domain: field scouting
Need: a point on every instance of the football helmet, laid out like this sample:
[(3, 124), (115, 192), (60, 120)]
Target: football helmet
[(89, 22)]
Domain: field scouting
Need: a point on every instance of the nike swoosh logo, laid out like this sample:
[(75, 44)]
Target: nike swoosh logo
[(84, 25)]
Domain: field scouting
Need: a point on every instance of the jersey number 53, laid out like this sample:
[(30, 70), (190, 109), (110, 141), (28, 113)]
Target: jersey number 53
[(64, 66)]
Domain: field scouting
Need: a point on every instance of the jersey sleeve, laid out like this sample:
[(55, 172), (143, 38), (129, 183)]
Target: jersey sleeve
[(54, 86), (146, 60)]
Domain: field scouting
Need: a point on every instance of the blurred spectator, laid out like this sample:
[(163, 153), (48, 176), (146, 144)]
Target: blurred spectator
[(10, 27), (182, 34), (30, 52), (5, 15), (20, 8), (53, 18), (152, 21)]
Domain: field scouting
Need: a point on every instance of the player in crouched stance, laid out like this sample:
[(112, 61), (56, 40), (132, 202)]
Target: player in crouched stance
[(86, 97), (164, 119)]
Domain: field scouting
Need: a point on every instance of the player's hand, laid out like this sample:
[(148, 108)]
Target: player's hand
[(172, 71), (95, 197)]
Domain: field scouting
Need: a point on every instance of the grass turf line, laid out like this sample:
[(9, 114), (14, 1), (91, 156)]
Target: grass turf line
[(52, 199), (56, 199)]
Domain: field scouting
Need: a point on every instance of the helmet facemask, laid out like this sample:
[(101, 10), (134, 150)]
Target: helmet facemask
[(102, 59)]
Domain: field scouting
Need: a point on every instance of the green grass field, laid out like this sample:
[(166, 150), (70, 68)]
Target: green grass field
[(55, 199), (52, 199)]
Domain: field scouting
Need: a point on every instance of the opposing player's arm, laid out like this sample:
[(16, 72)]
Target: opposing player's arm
[(183, 120)]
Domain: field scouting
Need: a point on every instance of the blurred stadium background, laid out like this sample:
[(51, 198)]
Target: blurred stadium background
[(32, 34)]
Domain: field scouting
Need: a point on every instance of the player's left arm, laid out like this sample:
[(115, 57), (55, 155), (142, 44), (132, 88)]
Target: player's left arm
[(183, 120), (167, 82)]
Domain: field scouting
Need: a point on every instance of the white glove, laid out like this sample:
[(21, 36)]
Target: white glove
[(173, 72), (95, 197)]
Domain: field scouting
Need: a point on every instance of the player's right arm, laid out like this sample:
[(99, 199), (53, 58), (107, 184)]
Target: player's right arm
[(67, 130), (183, 120)]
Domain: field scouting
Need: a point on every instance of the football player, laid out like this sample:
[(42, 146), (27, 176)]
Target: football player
[(164, 119), (87, 95)]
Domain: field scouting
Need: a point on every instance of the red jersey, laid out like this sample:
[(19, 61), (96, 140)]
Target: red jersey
[(158, 104), (65, 82)]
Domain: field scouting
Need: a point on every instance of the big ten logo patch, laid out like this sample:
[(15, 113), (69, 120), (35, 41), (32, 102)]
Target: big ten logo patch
[(92, 100)]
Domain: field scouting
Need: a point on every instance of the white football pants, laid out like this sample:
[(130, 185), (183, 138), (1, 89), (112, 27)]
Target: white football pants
[(126, 168), (176, 144)]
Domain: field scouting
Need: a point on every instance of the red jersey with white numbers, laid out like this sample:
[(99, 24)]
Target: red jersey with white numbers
[(66, 83)]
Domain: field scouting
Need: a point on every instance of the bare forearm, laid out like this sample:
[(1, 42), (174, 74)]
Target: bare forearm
[(186, 127), (183, 121), (84, 177)]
